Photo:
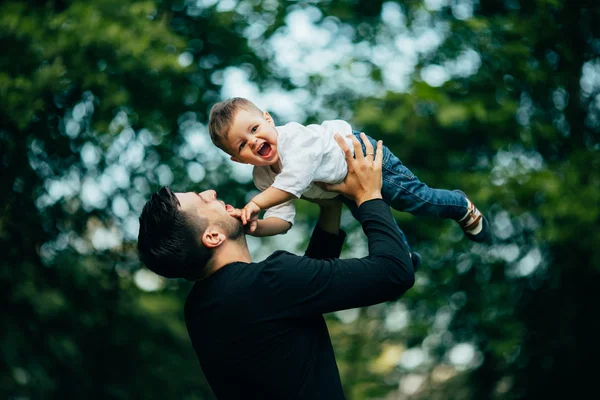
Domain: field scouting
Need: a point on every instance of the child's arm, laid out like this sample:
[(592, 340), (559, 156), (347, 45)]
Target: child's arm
[(267, 199), (271, 226)]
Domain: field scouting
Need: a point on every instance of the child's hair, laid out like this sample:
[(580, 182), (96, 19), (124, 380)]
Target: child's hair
[(222, 115)]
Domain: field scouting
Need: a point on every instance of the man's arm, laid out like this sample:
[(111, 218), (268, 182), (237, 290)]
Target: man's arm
[(307, 286)]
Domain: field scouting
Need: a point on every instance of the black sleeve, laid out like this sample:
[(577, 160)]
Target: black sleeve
[(324, 244), (307, 286)]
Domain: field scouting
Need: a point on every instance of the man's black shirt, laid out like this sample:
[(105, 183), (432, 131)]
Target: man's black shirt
[(258, 328)]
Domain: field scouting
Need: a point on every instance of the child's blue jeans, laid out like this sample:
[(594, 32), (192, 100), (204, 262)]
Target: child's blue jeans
[(403, 191)]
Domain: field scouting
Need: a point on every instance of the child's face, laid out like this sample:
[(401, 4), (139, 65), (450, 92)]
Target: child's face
[(252, 139)]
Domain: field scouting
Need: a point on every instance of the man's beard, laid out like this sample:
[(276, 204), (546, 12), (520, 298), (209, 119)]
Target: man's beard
[(233, 227)]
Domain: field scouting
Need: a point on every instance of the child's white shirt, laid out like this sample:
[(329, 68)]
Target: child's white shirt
[(308, 154)]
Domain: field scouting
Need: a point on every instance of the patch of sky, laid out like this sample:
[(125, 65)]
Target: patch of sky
[(503, 227), (357, 246), (466, 64), (392, 15), (66, 186), (164, 175), (462, 9), (413, 358), (515, 163), (347, 316), (560, 98), (133, 154), (463, 264), (90, 155), (434, 75), (590, 77), (79, 112), (185, 59), (464, 356), (397, 317), (72, 128), (130, 226), (137, 201), (120, 206), (119, 174), (241, 173), (442, 319), (91, 196), (285, 104), (435, 5), (147, 280), (195, 171), (508, 252), (119, 122), (106, 184), (525, 110), (526, 265), (105, 239), (225, 5), (410, 384)]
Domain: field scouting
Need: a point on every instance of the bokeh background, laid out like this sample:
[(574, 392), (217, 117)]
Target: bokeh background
[(104, 101)]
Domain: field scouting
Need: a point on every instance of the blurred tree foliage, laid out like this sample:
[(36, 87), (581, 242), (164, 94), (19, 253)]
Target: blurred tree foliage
[(102, 102)]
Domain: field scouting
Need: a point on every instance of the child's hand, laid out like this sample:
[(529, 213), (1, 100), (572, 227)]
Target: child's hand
[(237, 213), (250, 212)]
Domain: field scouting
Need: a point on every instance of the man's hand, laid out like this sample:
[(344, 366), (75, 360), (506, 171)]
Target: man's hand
[(363, 181), (237, 213)]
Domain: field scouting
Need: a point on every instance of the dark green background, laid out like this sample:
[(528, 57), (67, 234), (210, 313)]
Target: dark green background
[(82, 83)]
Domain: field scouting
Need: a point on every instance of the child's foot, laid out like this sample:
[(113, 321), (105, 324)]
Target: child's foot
[(416, 260), (474, 223)]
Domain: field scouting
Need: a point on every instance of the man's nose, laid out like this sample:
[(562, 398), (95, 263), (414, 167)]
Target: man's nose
[(209, 195)]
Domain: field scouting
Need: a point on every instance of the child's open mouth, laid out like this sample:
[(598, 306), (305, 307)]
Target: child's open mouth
[(265, 150)]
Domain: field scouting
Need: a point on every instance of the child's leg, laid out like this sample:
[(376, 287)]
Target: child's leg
[(405, 192)]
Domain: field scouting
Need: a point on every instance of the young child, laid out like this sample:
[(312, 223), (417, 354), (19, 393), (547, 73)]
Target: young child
[(288, 159)]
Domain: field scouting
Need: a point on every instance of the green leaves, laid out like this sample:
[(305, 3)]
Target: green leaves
[(102, 102)]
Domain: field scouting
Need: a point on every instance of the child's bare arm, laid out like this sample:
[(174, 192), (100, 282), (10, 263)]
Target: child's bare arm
[(267, 199), (271, 226), (272, 197)]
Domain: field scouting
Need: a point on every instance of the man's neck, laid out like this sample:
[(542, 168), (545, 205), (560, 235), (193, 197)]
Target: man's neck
[(228, 253)]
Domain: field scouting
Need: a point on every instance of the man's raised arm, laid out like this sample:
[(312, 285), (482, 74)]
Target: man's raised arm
[(308, 286)]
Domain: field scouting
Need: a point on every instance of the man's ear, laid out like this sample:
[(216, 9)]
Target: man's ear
[(213, 237), (269, 118), (237, 160)]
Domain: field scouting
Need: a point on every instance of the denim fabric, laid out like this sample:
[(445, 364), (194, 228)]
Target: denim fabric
[(403, 191)]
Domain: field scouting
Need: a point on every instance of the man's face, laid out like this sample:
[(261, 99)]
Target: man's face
[(206, 205), (252, 138)]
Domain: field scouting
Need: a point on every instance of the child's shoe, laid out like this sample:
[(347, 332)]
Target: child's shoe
[(474, 224)]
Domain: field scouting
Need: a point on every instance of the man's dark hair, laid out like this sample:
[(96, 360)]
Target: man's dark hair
[(169, 239)]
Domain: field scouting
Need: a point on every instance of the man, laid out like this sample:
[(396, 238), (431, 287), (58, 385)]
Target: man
[(258, 328)]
